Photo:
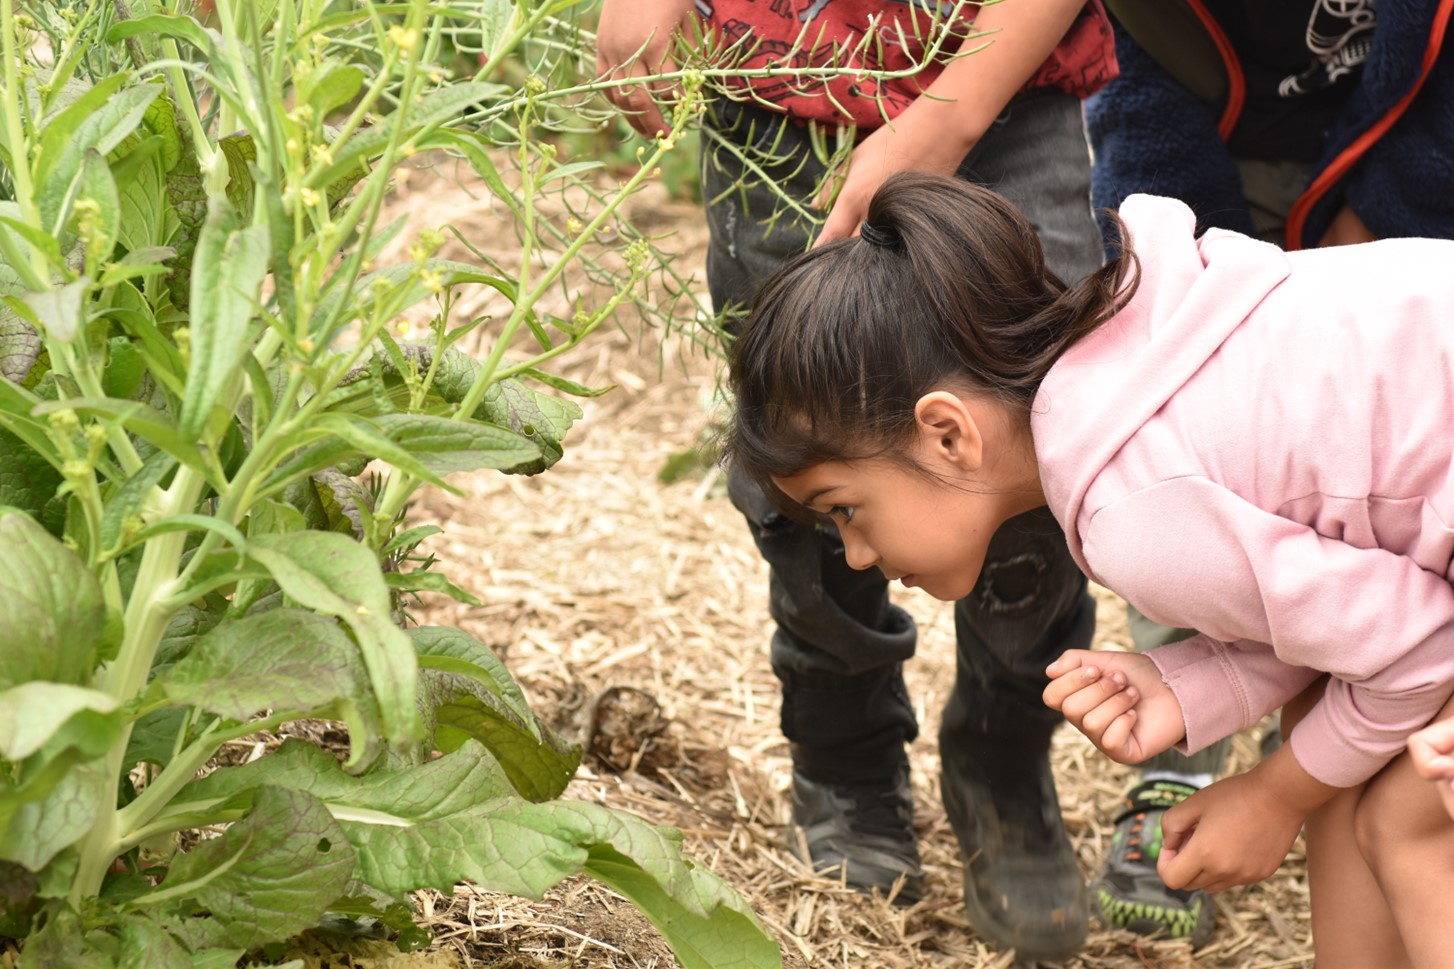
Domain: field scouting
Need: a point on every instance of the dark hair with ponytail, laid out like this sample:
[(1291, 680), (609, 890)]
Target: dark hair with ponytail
[(948, 287)]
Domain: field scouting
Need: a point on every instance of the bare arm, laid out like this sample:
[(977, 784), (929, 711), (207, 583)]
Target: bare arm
[(634, 39), (935, 132)]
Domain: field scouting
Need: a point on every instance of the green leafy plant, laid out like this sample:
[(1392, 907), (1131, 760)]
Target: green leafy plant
[(198, 364)]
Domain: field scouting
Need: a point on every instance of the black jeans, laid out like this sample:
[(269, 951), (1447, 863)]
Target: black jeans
[(840, 644)]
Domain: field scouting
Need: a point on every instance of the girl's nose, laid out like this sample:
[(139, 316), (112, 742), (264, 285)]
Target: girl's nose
[(857, 553)]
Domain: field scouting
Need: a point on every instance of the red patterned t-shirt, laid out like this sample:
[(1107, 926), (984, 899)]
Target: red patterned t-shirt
[(831, 33)]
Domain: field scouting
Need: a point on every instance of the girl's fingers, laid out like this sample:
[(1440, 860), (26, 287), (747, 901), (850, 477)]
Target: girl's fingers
[(1116, 738), (1067, 661), (1067, 684), (1101, 698)]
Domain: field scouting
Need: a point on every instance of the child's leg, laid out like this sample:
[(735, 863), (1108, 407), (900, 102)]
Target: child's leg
[(1407, 838), (1353, 926)]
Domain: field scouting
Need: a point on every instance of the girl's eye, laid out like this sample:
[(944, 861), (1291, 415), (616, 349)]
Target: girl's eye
[(842, 512)]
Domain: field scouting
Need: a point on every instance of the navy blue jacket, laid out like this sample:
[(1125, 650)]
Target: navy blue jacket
[(1389, 155)]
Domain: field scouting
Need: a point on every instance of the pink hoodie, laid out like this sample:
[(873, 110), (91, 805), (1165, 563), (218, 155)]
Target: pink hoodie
[(1260, 446)]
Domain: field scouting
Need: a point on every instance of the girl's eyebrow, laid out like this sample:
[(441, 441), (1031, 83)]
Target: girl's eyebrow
[(808, 500)]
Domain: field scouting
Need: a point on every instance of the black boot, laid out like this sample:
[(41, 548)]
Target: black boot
[(860, 830), (1023, 888)]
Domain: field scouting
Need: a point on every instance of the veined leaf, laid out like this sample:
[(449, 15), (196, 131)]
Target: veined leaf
[(539, 417), (729, 937), (29, 482), (32, 713), (286, 659), (147, 945), (53, 611), (240, 152), (61, 944), (335, 575), (540, 768), (19, 342), (166, 25), (445, 446), (269, 876), (59, 731), (440, 788), (455, 819), (227, 271), (106, 125), (36, 825), (455, 651)]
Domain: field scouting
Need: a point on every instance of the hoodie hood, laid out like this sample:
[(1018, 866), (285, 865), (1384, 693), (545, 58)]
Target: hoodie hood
[(1193, 293)]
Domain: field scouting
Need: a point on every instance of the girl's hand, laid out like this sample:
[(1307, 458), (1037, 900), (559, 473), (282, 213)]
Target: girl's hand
[(1432, 750), (1118, 700), (1235, 832)]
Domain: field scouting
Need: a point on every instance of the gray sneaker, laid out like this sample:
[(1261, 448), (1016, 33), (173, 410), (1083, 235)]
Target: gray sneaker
[(1129, 893), (862, 833)]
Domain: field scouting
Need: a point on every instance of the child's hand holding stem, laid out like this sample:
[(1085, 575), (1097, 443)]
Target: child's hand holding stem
[(1118, 700)]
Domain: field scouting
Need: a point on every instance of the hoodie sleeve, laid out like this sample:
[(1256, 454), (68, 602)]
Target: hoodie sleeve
[(1378, 623)]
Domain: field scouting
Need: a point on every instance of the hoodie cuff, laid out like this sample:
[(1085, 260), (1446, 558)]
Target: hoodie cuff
[(1213, 705)]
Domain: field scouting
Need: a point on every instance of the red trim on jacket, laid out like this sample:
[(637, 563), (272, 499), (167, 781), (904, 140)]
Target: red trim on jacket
[(1236, 81), (1298, 216)]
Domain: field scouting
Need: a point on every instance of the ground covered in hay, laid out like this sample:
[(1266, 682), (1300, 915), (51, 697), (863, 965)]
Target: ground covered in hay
[(633, 612)]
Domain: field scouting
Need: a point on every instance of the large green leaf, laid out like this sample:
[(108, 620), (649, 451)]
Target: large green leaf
[(53, 607), (35, 830), (435, 789), (227, 270), (540, 768), (61, 944), (102, 127), (335, 575), (288, 659), (166, 25), (454, 651), (730, 937), (19, 346), (268, 877), (29, 482), (57, 731), (446, 445)]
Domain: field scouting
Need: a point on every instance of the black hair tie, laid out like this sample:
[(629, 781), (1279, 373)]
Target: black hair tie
[(885, 238)]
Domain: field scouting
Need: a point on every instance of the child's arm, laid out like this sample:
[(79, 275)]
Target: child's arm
[(1118, 700), (643, 30), (1432, 750), (1239, 830), (937, 131)]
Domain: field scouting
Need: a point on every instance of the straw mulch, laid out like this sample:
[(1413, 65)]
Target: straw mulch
[(633, 612)]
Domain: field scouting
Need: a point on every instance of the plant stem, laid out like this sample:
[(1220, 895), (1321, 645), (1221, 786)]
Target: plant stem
[(158, 794), (19, 146), (146, 617)]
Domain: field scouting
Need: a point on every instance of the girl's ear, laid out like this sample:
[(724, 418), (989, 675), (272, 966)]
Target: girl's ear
[(948, 430)]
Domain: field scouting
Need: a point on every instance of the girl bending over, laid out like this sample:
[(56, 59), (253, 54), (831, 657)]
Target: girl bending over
[(1251, 443)]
